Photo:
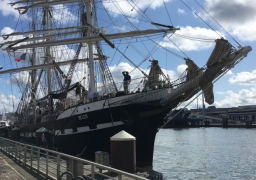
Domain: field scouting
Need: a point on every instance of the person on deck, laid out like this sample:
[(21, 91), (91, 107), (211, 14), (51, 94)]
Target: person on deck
[(43, 142), (127, 81)]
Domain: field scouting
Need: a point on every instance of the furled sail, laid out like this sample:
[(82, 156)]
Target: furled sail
[(221, 51), (208, 94), (154, 74), (193, 70)]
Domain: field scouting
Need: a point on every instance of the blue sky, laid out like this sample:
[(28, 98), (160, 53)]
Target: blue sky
[(237, 17)]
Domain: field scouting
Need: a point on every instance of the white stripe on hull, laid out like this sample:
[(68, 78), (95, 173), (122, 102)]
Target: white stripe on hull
[(79, 129)]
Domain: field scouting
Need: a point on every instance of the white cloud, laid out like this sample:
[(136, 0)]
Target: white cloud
[(238, 17), (6, 30), (6, 9), (186, 44), (20, 78), (133, 20), (131, 8), (244, 78), (61, 14), (121, 28), (243, 97), (181, 11), (181, 68), (229, 99), (7, 103), (229, 72)]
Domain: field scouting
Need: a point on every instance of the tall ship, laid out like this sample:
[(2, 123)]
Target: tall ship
[(71, 88)]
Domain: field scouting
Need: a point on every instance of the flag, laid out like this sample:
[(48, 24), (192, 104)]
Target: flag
[(22, 57)]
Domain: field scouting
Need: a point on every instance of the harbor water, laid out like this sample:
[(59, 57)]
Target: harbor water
[(206, 153)]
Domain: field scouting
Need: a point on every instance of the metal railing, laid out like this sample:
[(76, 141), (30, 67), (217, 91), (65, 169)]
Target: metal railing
[(56, 165)]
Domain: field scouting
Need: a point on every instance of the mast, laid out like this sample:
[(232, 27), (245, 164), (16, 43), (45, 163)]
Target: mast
[(48, 53), (89, 15), (33, 72), (32, 60)]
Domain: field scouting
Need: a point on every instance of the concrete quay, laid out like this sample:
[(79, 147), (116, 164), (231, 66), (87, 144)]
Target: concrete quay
[(22, 161), (14, 170), (25, 161), (11, 170)]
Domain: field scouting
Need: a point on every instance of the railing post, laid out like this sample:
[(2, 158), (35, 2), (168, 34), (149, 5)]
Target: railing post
[(31, 155), (92, 172), (5, 145), (58, 166), (10, 147), (13, 148), (70, 166), (25, 155), (11, 153), (19, 151), (119, 176), (38, 160), (46, 163), (16, 151)]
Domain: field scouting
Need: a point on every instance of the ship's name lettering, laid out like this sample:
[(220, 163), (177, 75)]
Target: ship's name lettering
[(81, 117)]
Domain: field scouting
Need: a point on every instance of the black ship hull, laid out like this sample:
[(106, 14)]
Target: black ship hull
[(85, 133)]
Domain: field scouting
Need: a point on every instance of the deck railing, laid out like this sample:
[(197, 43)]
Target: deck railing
[(56, 165)]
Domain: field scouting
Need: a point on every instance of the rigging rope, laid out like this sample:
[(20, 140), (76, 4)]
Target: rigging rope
[(167, 12), (177, 47), (114, 54), (193, 38), (167, 37), (129, 42), (131, 62), (216, 21), (147, 36), (143, 15), (200, 18)]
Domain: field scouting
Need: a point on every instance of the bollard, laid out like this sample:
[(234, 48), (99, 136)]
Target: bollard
[(123, 152)]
